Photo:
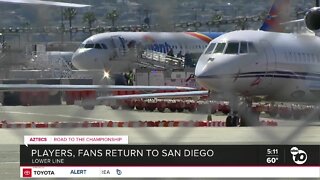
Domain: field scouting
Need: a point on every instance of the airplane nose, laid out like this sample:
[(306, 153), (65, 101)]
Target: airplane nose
[(202, 75), (203, 71), (86, 60), (201, 66), (77, 60), (217, 74)]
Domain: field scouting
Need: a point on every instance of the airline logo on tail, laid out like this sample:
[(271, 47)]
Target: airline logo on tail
[(278, 14)]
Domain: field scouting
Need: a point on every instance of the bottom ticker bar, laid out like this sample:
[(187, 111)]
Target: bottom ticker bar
[(169, 172)]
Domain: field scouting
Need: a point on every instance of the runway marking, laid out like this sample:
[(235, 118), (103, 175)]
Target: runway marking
[(56, 115)]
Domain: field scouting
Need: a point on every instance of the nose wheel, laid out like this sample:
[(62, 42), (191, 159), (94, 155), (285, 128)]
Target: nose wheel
[(248, 115), (241, 114), (232, 120), (210, 98)]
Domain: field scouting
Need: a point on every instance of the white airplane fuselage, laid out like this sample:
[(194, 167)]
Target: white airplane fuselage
[(115, 51), (284, 67)]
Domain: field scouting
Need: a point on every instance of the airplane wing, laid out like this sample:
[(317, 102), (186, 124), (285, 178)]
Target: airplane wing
[(49, 3), (59, 87), (154, 95)]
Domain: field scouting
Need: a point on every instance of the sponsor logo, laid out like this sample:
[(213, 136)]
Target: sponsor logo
[(27, 172), (43, 173), (298, 156)]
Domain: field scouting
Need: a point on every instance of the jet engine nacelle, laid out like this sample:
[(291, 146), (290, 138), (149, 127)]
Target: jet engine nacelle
[(312, 19)]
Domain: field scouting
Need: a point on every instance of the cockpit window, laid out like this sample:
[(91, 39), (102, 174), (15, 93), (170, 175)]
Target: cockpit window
[(97, 46), (210, 48), (243, 48), (89, 46), (252, 48), (219, 48), (104, 46), (232, 48)]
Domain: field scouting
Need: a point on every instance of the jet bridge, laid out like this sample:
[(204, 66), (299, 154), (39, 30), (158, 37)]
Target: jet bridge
[(158, 60)]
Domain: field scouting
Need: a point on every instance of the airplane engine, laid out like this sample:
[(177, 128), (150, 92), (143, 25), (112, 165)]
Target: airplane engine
[(312, 19)]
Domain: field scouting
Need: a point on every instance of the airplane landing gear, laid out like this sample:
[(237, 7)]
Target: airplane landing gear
[(232, 120), (241, 112), (248, 115), (209, 116)]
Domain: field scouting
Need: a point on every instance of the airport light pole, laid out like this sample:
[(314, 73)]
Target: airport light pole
[(195, 18), (62, 29)]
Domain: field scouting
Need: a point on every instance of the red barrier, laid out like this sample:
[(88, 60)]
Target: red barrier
[(100, 124)]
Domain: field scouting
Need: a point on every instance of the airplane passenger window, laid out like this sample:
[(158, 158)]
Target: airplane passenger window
[(89, 46), (232, 48), (97, 46), (210, 48), (243, 48), (252, 49), (220, 47)]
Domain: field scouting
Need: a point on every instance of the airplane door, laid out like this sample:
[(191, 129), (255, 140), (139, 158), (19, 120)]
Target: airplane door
[(268, 65), (118, 47)]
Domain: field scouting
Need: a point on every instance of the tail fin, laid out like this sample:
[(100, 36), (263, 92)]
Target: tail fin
[(278, 14)]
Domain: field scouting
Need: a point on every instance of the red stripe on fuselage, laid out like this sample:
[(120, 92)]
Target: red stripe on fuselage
[(200, 36)]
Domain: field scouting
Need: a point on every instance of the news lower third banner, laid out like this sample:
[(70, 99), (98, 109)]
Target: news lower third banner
[(115, 158)]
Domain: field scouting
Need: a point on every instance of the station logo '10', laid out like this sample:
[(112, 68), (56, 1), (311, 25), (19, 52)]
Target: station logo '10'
[(298, 156)]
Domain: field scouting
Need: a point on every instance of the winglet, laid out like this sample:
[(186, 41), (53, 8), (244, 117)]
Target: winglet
[(276, 16)]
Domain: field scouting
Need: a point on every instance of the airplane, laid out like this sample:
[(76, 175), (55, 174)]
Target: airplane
[(113, 51), (44, 87), (241, 65), (247, 63)]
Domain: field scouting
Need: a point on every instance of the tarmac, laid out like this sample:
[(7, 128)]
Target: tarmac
[(288, 131)]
